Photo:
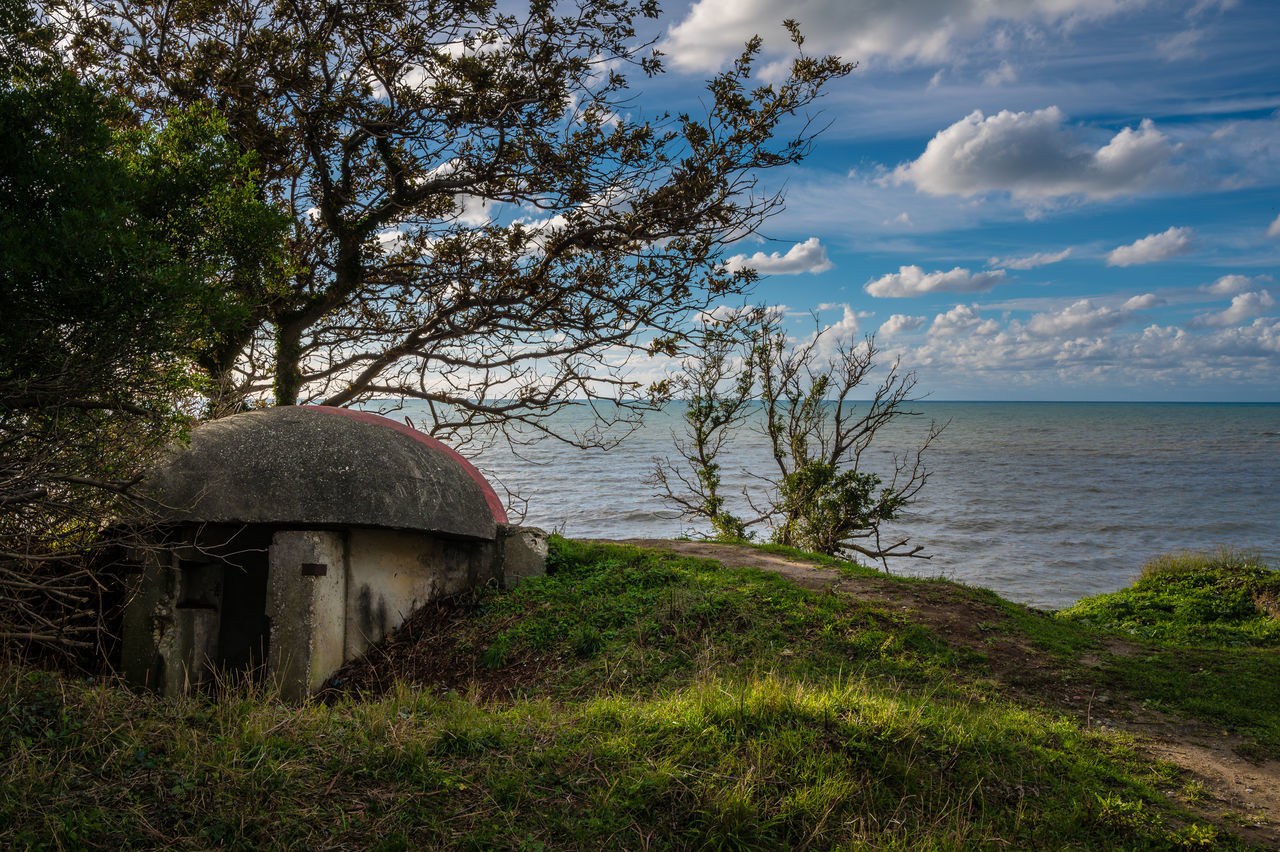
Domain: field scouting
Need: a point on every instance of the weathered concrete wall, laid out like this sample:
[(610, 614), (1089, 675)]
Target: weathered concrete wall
[(329, 596), (394, 574), (523, 552), (171, 623), (306, 601)]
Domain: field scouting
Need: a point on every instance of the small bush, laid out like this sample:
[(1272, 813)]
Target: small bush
[(495, 656)]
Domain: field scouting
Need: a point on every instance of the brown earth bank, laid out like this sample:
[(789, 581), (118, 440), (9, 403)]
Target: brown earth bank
[(1241, 794)]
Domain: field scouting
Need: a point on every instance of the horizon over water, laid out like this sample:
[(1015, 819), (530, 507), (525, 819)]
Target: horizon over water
[(1043, 502)]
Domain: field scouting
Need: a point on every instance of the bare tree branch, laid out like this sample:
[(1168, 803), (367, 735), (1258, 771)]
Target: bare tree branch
[(821, 498), (382, 127)]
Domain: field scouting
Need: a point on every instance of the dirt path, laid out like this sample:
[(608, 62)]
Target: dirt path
[(808, 574), (1248, 791)]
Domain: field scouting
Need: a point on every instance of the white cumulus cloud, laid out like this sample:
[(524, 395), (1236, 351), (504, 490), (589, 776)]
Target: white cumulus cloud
[(847, 325), (1243, 306), (1080, 318), (1032, 156), (1031, 261), (913, 281), (1273, 230), (1101, 345), (714, 31), (841, 333), (472, 210), (721, 314), (1152, 248), (1142, 303), (1229, 285), (808, 256), (962, 318), (899, 323)]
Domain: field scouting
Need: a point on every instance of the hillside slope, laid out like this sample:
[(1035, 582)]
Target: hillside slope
[(648, 698)]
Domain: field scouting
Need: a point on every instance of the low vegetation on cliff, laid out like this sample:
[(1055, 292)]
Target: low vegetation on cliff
[(643, 699)]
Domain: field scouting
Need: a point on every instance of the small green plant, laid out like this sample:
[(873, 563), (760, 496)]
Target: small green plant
[(1198, 835), (495, 656), (586, 641), (1194, 792), (1117, 812)]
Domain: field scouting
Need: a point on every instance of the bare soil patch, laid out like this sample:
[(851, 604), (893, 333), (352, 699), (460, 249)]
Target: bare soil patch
[(1241, 793), (438, 649)]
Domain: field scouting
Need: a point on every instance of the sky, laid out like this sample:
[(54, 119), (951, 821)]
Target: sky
[(1028, 199)]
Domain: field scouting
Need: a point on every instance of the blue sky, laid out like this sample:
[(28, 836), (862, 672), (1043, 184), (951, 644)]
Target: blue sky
[(1030, 199)]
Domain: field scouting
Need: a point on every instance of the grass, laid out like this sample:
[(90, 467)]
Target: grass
[(634, 621), (1222, 600), (628, 700), (1208, 632)]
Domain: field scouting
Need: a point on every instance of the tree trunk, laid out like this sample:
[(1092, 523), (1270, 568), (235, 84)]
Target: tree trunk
[(288, 380)]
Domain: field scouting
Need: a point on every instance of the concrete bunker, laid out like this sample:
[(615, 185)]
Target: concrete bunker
[(290, 540)]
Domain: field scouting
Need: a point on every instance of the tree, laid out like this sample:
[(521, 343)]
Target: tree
[(821, 498), (715, 382), (114, 238), (478, 221)]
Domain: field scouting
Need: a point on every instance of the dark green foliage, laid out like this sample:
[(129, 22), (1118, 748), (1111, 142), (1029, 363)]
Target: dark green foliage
[(825, 506), (586, 641), (120, 248)]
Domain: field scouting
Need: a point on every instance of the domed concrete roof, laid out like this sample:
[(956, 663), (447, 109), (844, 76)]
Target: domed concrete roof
[(324, 466)]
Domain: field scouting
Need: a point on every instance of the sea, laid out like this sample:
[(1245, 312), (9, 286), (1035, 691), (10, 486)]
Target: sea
[(1042, 502)]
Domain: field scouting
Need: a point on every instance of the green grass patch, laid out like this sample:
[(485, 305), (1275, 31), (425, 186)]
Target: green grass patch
[(630, 620), (1223, 600), (630, 700), (764, 762), (1205, 633)]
